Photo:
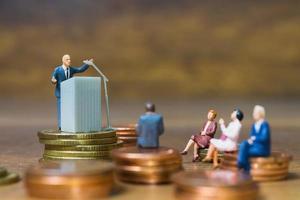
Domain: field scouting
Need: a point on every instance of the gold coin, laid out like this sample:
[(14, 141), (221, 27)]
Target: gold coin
[(105, 147), (70, 142), (70, 180), (9, 179), (269, 178), (54, 135), (76, 153), (3, 172), (48, 157)]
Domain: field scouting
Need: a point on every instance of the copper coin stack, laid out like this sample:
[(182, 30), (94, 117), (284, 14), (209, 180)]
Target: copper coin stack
[(147, 166), (127, 134), (8, 177), (229, 161), (273, 168), (74, 146), (70, 180), (214, 185)]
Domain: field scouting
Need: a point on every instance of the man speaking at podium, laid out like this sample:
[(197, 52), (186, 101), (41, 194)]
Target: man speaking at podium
[(62, 73)]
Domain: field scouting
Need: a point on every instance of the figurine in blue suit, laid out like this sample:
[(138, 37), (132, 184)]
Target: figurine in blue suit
[(259, 143), (150, 127), (62, 73)]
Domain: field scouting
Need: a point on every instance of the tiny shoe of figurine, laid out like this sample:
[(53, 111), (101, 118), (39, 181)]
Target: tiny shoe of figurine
[(195, 158), (207, 160), (184, 153)]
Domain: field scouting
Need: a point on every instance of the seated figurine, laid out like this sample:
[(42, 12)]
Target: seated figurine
[(202, 139), (259, 143), (229, 138), (149, 128)]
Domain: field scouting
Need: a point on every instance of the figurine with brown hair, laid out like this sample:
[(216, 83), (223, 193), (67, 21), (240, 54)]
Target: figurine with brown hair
[(229, 138), (202, 140)]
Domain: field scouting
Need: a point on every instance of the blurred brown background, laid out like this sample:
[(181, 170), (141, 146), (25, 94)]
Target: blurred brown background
[(153, 48)]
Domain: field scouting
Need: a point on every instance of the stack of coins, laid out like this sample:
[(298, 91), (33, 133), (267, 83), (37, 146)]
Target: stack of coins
[(147, 166), (70, 180), (8, 177), (127, 135), (229, 161), (214, 185), (271, 168), (62, 145)]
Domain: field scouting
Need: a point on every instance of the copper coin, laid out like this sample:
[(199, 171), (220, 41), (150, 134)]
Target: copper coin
[(149, 170), (276, 157), (126, 131), (143, 178), (263, 172), (273, 166), (269, 178)]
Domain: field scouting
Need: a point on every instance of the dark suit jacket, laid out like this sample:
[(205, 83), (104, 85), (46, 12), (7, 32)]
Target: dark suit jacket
[(59, 75)]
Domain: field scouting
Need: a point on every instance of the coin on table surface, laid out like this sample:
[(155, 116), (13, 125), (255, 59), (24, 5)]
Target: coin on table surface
[(77, 153), (48, 157), (267, 172), (54, 134), (9, 178), (128, 139), (69, 142), (126, 131), (232, 163), (104, 147), (146, 156), (143, 178), (3, 172), (276, 157), (72, 180), (215, 184), (149, 170), (270, 166)]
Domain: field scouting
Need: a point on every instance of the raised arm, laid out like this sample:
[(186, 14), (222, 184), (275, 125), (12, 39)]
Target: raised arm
[(81, 69)]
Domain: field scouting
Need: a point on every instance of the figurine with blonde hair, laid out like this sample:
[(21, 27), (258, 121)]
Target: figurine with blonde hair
[(259, 143), (202, 140)]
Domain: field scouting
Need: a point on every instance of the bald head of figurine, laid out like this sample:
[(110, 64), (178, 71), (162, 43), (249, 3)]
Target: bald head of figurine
[(150, 107), (259, 113), (66, 60)]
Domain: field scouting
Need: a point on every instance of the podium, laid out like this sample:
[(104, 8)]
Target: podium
[(81, 105)]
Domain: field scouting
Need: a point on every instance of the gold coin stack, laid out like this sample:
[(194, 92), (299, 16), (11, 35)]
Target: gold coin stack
[(214, 185), (70, 180), (63, 145), (273, 168), (147, 166), (127, 135), (8, 177)]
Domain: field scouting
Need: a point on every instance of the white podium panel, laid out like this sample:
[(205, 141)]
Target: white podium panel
[(81, 104)]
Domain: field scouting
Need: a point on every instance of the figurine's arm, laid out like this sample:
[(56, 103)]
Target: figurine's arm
[(81, 69), (139, 127), (231, 131), (264, 134), (161, 126), (54, 77)]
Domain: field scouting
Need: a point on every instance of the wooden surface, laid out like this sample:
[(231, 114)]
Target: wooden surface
[(19, 145)]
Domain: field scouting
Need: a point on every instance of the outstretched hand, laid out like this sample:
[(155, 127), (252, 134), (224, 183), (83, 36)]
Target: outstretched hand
[(89, 62)]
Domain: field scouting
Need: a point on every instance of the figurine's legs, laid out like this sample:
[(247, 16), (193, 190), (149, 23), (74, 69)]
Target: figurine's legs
[(58, 102), (195, 150), (243, 156), (189, 144), (210, 153), (215, 158)]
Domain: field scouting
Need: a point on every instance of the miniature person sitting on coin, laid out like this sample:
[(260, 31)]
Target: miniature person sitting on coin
[(62, 73), (149, 128), (229, 138), (202, 140), (259, 143)]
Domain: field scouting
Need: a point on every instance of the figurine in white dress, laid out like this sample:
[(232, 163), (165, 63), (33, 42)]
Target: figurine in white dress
[(229, 138)]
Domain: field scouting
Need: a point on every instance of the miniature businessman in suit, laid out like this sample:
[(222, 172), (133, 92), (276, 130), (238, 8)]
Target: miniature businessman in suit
[(150, 127), (259, 143), (62, 73)]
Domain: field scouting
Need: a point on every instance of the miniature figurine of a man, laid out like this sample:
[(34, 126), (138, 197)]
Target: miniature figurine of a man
[(62, 73), (229, 138), (202, 140), (150, 127), (259, 143)]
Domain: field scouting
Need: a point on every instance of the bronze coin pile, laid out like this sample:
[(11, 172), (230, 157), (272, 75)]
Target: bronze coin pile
[(214, 185), (70, 180), (273, 168), (127, 134), (8, 177), (229, 161), (67, 146), (147, 166)]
